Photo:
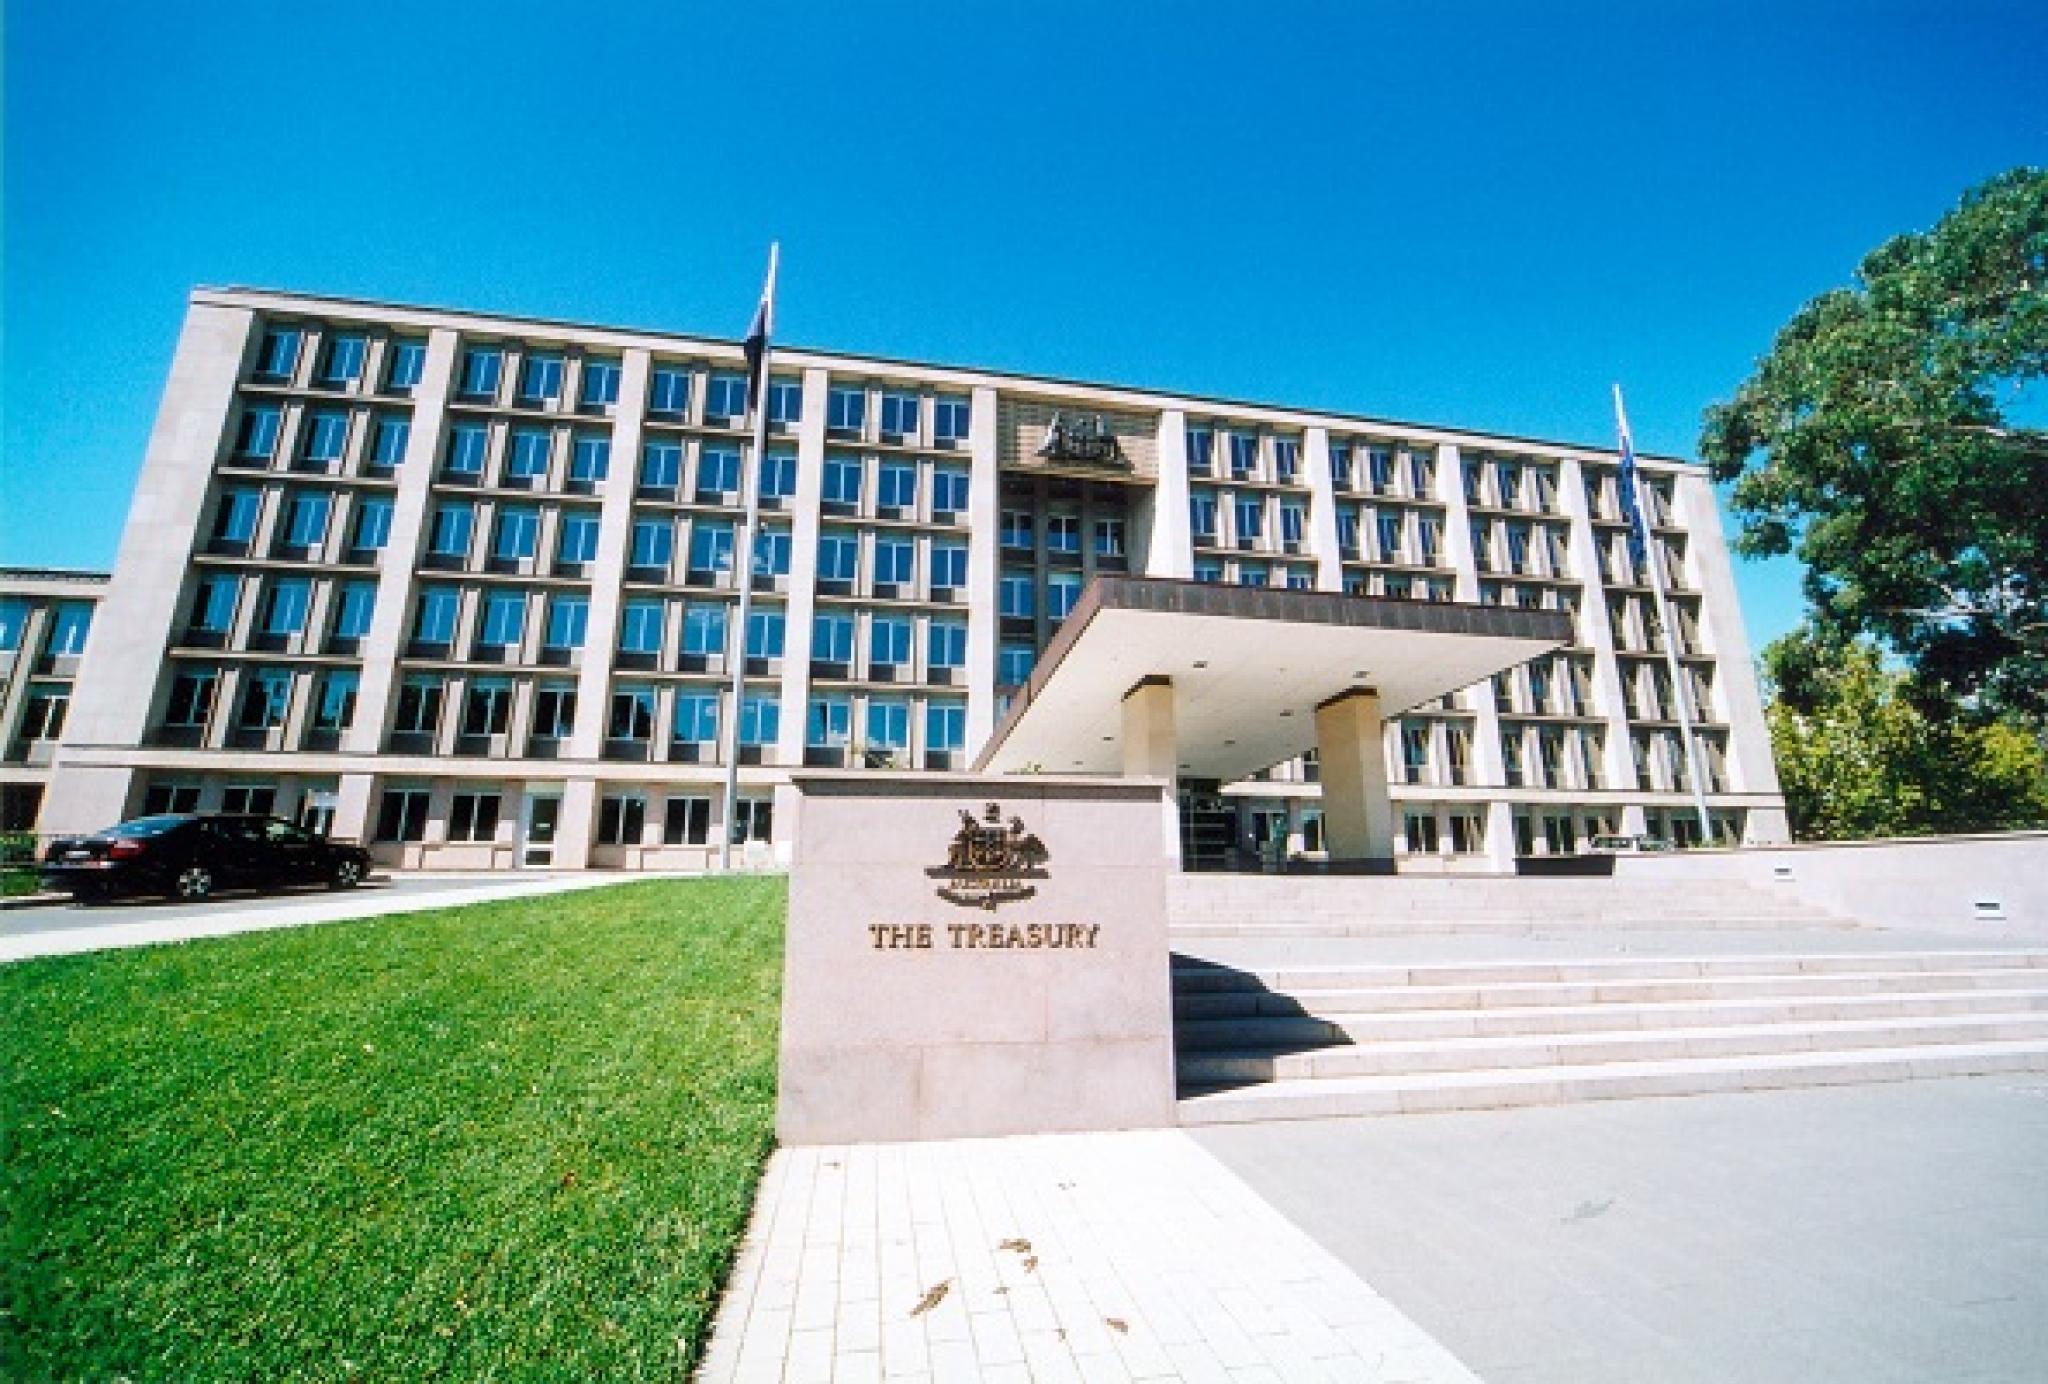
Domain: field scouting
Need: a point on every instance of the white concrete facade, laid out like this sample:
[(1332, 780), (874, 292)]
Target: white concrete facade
[(460, 585)]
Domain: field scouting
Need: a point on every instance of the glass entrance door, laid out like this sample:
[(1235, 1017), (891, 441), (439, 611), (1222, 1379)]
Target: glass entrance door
[(537, 829)]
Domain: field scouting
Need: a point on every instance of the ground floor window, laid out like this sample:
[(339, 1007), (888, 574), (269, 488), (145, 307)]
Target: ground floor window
[(686, 821), (402, 815), (160, 798), (1420, 830), (473, 817), (753, 820), (622, 820), (255, 800), (1468, 833), (1312, 830)]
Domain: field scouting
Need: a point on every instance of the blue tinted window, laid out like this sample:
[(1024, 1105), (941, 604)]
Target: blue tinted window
[(661, 465), (899, 414), (540, 379), (591, 459), (14, 620), (1013, 664), (888, 724), (467, 443), (344, 364), (947, 644), (437, 611), (895, 558), (897, 484), (842, 480), (337, 699), (266, 696), (778, 476), (258, 435), (579, 537), (306, 525), (949, 422), (771, 553), (668, 390), (452, 524), (838, 555), (704, 628), (765, 632), (725, 396), (889, 640), (215, 608), (388, 447), (235, 522), (697, 717), (945, 726), (278, 354), (949, 490), (352, 615), (785, 400), (568, 617), (653, 543), (949, 564), (480, 368), (846, 410), (640, 627), (831, 722), (326, 436), (504, 618), (600, 382), (832, 638), (518, 533), (285, 611), (718, 472), (760, 719), (710, 547), (528, 457), (408, 361)]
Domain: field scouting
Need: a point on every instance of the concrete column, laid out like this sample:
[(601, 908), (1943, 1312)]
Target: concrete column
[(607, 572), (1595, 627), (984, 522), (803, 576), (1751, 769), (385, 643), (1169, 549), (1358, 814), (577, 826), (355, 802), (112, 693), (1151, 749), (1322, 510)]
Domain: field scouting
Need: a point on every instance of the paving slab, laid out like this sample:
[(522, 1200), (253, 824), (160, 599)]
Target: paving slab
[(1128, 1256)]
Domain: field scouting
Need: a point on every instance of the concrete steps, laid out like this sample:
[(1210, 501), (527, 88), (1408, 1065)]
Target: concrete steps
[(1316, 1041)]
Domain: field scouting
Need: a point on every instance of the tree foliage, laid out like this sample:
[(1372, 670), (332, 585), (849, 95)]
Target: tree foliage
[(1857, 758), (1892, 440)]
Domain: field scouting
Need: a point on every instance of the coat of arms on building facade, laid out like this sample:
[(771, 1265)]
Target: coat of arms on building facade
[(1084, 437), (990, 861)]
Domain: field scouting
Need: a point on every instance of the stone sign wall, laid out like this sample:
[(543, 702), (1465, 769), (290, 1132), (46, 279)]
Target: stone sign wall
[(973, 956)]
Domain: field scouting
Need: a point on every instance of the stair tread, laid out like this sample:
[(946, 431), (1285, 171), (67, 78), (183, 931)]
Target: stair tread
[(1391, 1047), (1794, 960), (1326, 1087), (1613, 1007)]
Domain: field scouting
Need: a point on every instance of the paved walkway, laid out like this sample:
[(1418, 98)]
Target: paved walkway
[(65, 928), (1892, 1234), (1052, 1257)]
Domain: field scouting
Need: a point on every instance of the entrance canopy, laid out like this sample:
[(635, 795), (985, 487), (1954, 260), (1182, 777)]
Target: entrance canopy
[(1248, 667)]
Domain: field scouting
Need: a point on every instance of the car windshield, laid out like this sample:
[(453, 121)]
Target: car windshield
[(145, 826)]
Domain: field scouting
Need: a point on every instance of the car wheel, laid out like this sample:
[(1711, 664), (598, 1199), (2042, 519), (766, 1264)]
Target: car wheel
[(348, 874), (192, 884)]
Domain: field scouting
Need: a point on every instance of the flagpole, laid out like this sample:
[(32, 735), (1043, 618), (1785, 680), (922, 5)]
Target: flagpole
[(743, 562), (1679, 694)]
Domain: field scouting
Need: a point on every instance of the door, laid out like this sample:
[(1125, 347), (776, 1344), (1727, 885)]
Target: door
[(537, 822)]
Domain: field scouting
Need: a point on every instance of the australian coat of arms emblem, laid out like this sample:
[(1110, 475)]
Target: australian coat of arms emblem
[(990, 861)]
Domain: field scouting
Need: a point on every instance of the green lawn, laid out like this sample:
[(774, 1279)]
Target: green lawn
[(511, 1141)]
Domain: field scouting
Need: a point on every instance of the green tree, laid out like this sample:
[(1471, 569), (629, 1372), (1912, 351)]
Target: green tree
[(1857, 758), (1885, 441)]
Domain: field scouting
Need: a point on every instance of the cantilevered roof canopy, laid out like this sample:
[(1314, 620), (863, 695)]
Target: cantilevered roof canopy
[(1249, 666)]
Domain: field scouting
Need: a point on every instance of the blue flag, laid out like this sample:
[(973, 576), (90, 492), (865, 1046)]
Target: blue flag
[(1631, 500)]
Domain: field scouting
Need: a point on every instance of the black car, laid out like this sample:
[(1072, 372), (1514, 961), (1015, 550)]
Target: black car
[(189, 856)]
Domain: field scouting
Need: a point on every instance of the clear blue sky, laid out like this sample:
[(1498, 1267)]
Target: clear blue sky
[(1473, 214)]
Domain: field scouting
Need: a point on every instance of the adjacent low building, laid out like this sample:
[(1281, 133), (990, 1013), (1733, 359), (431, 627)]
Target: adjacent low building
[(45, 621), (464, 586)]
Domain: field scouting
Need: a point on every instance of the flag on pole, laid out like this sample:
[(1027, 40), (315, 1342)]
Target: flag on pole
[(1631, 500), (763, 327)]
